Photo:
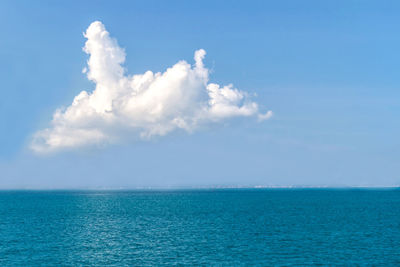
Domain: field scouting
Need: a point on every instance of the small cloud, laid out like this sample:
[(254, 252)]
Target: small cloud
[(266, 116), (145, 105)]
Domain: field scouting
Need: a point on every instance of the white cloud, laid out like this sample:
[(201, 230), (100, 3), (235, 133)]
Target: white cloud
[(145, 105)]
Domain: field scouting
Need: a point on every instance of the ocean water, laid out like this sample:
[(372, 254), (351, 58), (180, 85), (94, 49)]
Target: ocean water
[(200, 227)]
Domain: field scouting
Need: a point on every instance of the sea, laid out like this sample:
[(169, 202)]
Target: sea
[(208, 227)]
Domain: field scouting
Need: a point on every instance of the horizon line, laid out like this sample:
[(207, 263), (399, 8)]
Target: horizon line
[(183, 188)]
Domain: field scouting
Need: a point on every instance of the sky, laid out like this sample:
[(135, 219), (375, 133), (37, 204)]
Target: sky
[(250, 93)]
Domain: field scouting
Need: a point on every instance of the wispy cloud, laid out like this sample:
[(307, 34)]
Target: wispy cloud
[(145, 105)]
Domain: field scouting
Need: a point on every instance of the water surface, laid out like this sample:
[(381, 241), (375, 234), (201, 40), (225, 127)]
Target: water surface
[(209, 227)]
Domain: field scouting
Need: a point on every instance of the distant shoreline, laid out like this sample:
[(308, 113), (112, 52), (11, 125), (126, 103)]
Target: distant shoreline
[(201, 188)]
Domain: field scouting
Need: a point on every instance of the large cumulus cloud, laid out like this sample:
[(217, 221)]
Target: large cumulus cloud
[(144, 105)]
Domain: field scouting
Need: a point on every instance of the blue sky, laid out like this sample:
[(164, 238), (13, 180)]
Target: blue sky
[(327, 69)]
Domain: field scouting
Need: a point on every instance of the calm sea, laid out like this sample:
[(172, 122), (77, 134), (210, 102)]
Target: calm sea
[(206, 227)]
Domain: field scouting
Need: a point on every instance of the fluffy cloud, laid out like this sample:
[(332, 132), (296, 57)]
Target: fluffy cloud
[(143, 105)]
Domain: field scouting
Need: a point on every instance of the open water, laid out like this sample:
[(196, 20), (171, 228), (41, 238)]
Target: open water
[(279, 227)]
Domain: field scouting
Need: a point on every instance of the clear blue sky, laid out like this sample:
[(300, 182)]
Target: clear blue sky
[(329, 70)]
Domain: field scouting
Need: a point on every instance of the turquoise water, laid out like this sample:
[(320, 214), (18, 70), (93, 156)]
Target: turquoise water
[(208, 227)]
